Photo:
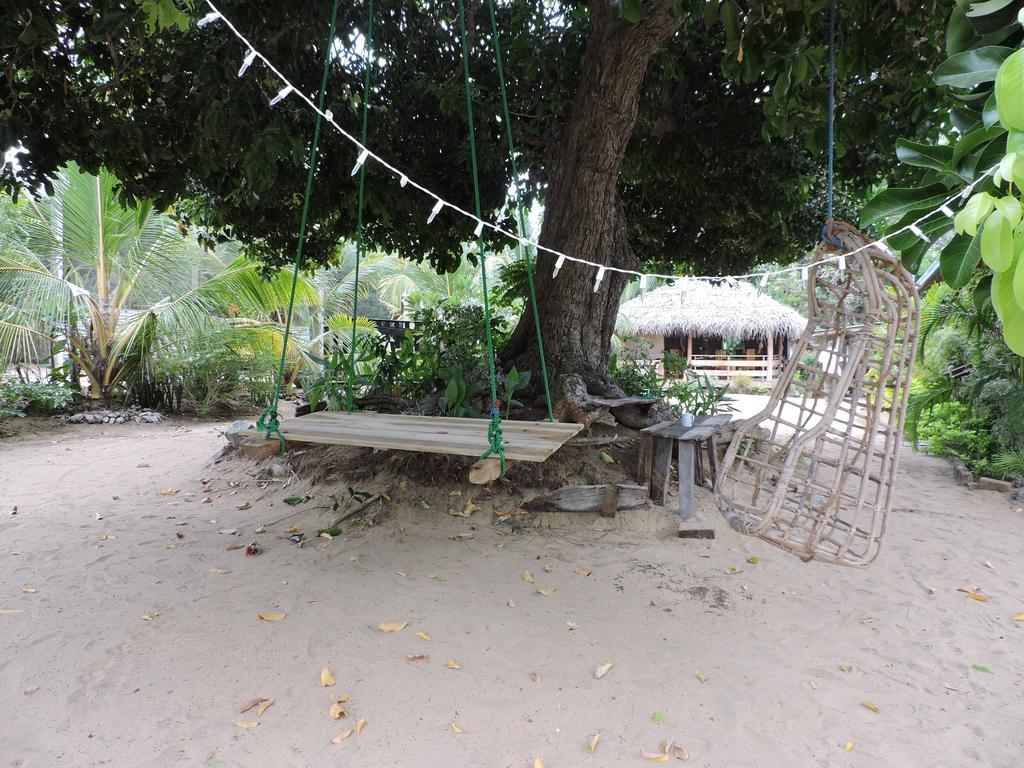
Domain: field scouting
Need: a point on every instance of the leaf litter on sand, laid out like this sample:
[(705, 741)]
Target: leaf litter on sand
[(603, 670), (422, 635), (271, 616), (456, 729), (592, 746), (259, 704), (528, 577), (869, 705), (453, 665), (247, 724), (357, 728), (392, 626), (327, 677)]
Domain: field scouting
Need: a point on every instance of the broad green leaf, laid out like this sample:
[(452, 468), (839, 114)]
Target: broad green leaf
[(984, 9), (1010, 91), (934, 156), (897, 201), (1002, 294), (970, 217), (1011, 209), (1013, 333), (970, 141), (730, 20), (1018, 282), (959, 259), (990, 113), (973, 67), (997, 242), (1015, 141), (959, 32)]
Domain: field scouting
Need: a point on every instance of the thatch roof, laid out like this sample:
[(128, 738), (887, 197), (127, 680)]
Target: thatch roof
[(701, 308)]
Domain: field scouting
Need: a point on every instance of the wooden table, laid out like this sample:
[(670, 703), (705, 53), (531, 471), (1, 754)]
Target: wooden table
[(655, 459)]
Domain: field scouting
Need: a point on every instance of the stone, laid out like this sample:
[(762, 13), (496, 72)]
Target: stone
[(233, 434), (991, 484), (78, 418), (90, 418), (1019, 495)]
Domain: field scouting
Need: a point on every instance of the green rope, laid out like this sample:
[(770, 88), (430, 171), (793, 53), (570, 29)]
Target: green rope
[(519, 206), (268, 421), (359, 223), (495, 439)]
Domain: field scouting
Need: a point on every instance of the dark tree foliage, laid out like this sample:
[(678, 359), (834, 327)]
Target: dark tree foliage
[(723, 169)]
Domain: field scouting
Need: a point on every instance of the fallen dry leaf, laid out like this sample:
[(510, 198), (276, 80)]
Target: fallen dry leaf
[(527, 577), (546, 592), (701, 676), (538, 763), (582, 571), (342, 736), (977, 596), (453, 665), (247, 724), (572, 625), (547, 569), (603, 670), (337, 711), (402, 573), (271, 616), (344, 698), (293, 529), (252, 703), (239, 546), (244, 505), (848, 747), (220, 571), (148, 617), (456, 729), (455, 493), (327, 677), (419, 657), (846, 668), (422, 635), (461, 536), (654, 757), (511, 603), (29, 691), (168, 492), (679, 753), (592, 746), (392, 626), (869, 705), (29, 590), (535, 676), (359, 726), (263, 706), (1017, 617), (252, 550)]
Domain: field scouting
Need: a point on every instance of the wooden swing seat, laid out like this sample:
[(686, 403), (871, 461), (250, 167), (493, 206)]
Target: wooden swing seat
[(524, 440)]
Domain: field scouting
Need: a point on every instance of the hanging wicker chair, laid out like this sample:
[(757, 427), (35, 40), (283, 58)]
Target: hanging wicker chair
[(813, 473)]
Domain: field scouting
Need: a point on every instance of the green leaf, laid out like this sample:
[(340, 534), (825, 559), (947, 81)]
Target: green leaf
[(1011, 209), (632, 11), (983, 294), (970, 217), (984, 9), (1002, 294), (934, 156), (1018, 282), (973, 67), (959, 32), (1013, 332), (982, 668), (990, 113), (959, 259), (294, 501), (730, 20), (1010, 91), (657, 717), (972, 140), (897, 201), (997, 242)]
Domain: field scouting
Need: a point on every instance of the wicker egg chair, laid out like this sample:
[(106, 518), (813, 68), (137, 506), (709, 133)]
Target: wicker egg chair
[(813, 473)]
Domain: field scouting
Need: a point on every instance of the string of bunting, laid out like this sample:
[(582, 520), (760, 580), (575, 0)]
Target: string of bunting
[(365, 154)]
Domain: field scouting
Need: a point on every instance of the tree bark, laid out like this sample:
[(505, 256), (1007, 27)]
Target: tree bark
[(583, 214)]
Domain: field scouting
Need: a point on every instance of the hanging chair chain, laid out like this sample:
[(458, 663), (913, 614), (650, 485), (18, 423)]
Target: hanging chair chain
[(269, 421), (826, 232)]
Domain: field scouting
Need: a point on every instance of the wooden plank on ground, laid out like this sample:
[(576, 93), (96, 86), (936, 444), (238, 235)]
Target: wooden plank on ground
[(610, 502), (588, 498), (661, 466)]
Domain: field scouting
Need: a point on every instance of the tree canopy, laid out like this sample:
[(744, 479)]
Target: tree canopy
[(723, 167)]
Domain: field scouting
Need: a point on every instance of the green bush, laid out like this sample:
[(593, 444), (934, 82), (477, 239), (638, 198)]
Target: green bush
[(948, 429), (637, 378), (18, 398), (742, 381)]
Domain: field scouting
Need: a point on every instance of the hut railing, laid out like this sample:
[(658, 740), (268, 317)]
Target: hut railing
[(756, 367)]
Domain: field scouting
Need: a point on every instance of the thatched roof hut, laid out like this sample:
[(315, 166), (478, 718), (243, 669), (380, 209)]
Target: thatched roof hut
[(699, 308)]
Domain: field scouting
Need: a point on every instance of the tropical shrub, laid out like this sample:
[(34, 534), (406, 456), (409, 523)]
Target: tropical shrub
[(18, 398)]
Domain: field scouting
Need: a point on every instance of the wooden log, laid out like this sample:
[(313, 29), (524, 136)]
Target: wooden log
[(610, 502), (588, 498), (258, 448), (661, 466)]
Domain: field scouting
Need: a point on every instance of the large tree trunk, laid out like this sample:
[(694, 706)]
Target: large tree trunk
[(583, 214)]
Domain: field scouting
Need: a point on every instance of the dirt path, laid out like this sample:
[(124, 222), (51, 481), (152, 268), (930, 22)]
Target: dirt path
[(771, 641)]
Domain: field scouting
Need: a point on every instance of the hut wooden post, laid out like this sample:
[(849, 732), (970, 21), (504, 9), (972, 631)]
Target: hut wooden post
[(771, 357), (689, 348)]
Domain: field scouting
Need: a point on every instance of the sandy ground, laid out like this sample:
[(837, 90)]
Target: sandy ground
[(130, 636)]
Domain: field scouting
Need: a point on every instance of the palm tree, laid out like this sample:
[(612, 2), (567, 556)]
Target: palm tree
[(80, 266)]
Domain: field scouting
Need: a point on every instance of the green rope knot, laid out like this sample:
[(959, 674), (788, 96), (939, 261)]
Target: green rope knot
[(495, 439), (269, 424)]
